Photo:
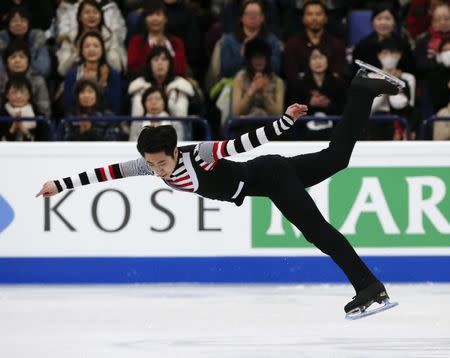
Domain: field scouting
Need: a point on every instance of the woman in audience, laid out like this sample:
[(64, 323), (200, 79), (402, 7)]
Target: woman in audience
[(390, 55), (257, 90), (251, 25), (323, 93), (88, 103), (17, 102), (66, 17), (154, 102), (89, 18), (18, 21), (427, 45), (154, 20), (93, 65), (17, 60), (438, 82), (384, 23), (159, 72)]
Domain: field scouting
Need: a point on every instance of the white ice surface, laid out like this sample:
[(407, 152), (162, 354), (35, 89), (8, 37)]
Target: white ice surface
[(218, 321)]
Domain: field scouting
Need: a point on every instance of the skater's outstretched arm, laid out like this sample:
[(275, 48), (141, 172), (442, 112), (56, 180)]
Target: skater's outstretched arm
[(212, 151), (97, 175)]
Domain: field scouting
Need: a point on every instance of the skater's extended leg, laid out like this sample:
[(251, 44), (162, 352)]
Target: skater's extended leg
[(315, 167)]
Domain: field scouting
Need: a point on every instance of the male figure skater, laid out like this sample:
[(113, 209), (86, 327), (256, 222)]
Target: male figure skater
[(203, 170)]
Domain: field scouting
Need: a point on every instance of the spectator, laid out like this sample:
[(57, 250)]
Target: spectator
[(389, 55), (322, 91), (154, 19), (17, 60), (88, 103), (251, 24), (18, 22), (297, 48), (89, 18), (384, 23), (439, 78), (230, 13), (257, 91), (419, 16), (182, 22), (428, 44), (42, 11), (154, 102), (17, 103), (159, 72), (66, 18), (93, 65)]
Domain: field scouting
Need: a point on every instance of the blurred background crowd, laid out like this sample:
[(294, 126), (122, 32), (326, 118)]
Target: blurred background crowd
[(76, 62)]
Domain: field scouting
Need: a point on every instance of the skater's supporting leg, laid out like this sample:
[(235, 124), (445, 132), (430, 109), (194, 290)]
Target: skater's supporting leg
[(275, 177)]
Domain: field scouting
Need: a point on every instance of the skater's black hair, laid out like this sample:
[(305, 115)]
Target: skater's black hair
[(157, 139)]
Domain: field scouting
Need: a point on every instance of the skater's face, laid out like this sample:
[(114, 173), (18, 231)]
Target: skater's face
[(384, 23), (441, 18), (314, 18), (162, 164), (318, 62)]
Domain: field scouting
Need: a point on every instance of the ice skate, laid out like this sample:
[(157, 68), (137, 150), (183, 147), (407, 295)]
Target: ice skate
[(377, 73), (358, 307)]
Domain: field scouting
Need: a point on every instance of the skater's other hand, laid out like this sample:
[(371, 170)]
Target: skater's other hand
[(48, 189), (296, 111)]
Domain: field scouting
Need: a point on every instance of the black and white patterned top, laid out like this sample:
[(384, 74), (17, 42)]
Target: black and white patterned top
[(206, 155)]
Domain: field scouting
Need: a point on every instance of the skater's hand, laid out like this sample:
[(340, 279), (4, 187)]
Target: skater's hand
[(48, 189), (295, 111)]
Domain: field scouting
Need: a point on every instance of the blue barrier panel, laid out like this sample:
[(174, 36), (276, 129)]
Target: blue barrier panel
[(238, 269)]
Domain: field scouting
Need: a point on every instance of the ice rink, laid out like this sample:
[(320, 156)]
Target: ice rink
[(218, 321)]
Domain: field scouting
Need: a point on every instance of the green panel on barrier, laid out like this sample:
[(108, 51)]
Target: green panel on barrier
[(372, 207)]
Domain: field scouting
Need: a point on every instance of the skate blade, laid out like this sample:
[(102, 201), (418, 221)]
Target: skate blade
[(364, 312), (396, 81)]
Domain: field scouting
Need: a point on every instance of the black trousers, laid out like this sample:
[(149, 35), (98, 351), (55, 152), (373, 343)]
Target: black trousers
[(284, 181)]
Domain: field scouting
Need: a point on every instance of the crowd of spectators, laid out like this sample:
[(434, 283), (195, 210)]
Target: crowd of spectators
[(160, 61)]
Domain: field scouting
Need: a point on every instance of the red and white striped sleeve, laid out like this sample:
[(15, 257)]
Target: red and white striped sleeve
[(213, 151)]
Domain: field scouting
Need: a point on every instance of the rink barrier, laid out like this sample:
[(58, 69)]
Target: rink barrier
[(292, 270), (117, 119), (51, 130), (242, 120)]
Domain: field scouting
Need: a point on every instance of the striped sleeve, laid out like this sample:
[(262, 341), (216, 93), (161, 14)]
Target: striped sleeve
[(213, 151), (109, 172)]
